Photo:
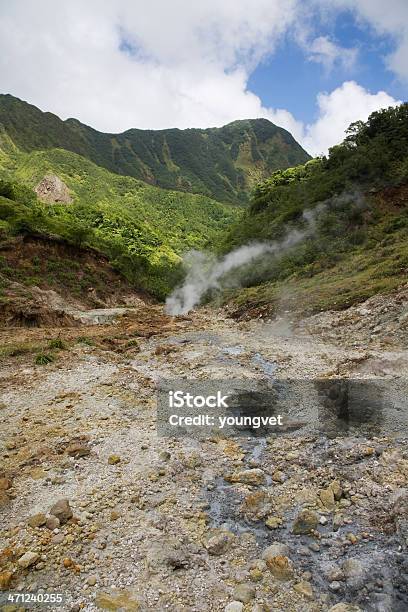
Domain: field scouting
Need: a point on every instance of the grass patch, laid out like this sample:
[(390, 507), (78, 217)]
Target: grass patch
[(57, 343), (353, 280), (85, 340), (44, 359), (15, 350), (132, 344)]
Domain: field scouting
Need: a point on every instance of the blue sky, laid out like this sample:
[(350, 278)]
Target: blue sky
[(310, 66), (287, 79)]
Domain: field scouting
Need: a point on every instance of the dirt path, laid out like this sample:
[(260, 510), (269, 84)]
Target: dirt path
[(157, 523)]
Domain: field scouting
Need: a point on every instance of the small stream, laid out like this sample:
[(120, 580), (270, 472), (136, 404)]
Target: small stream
[(381, 557)]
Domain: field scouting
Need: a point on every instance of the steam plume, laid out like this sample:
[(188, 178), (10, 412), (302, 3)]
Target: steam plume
[(205, 272)]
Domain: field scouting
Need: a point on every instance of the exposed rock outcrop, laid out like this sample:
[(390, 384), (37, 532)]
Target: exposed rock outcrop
[(52, 189)]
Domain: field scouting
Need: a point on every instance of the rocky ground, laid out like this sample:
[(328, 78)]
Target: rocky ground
[(96, 506), (381, 320)]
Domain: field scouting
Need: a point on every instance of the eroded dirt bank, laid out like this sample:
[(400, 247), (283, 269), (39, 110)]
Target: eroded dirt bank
[(292, 524)]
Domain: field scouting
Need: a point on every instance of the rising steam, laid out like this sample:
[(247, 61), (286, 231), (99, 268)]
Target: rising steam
[(205, 272)]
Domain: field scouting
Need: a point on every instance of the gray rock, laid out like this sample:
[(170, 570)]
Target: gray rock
[(53, 189), (37, 520), (337, 490), (28, 559), (164, 456), (219, 542), (57, 539), (305, 522), (335, 585), (52, 523), (251, 477), (353, 572), (274, 550), (304, 588), (78, 449), (62, 510), (399, 511), (244, 592), (327, 498), (337, 522), (259, 608), (234, 606), (334, 574), (162, 555)]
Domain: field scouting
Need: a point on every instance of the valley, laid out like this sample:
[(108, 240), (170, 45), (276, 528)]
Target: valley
[(110, 284), (157, 522)]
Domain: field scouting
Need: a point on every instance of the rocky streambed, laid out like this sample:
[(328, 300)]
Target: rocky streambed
[(245, 523)]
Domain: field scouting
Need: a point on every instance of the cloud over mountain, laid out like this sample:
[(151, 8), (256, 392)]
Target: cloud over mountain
[(123, 63)]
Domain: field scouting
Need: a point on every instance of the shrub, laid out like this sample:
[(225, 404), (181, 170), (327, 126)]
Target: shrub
[(57, 343), (44, 359)]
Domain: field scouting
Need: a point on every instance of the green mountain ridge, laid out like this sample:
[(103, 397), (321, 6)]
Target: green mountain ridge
[(142, 229), (222, 163)]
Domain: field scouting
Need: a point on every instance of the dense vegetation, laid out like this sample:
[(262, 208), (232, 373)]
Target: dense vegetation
[(222, 163), (142, 229), (353, 208), (350, 208)]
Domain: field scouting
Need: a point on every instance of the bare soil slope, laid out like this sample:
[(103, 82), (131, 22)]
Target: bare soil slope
[(42, 280)]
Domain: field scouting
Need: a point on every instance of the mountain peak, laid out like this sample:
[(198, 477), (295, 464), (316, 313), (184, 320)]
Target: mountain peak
[(223, 163)]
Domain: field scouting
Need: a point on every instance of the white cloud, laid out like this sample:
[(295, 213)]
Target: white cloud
[(130, 63), (386, 18), (326, 52), (321, 49), (390, 18), (189, 67), (337, 110)]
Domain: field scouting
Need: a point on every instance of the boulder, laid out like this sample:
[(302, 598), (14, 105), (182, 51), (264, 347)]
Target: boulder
[(253, 477), (305, 522), (28, 559), (62, 510), (52, 189)]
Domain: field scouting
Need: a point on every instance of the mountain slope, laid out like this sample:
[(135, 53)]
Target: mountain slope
[(341, 221), (222, 163), (142, 229)]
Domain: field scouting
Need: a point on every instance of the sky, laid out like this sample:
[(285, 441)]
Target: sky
[(310, 66)]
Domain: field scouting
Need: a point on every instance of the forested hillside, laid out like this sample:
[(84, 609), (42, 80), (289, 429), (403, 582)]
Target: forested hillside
[(222, 163), (143, 230), (353, 209), (348, 212)]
